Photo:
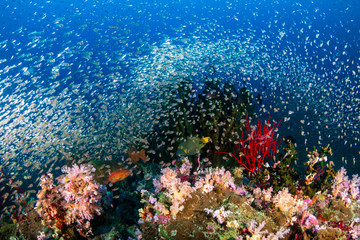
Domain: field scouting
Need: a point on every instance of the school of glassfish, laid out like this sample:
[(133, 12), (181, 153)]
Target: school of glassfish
[(68, 99)]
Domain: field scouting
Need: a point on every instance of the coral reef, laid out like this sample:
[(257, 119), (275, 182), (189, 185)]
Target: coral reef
[(263, 196), (208, 204), (74, 202)]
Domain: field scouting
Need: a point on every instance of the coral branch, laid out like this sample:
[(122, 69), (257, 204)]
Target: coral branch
[(259, 146)]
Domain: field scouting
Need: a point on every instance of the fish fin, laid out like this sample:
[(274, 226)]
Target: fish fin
[(142, 154), (205, 139)]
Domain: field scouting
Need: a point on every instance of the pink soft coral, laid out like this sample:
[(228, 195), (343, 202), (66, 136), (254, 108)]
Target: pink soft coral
[(175, 189), (75, 200), (82, 195), (346, 189), (79, 189), (175, 185)]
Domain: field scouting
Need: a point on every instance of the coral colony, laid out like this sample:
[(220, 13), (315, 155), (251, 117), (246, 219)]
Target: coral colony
[(260, 197), (192, 184), (214, 203), (258, 146), (75, 201)]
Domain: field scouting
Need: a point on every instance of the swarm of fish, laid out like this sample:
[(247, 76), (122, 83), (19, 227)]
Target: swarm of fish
[(67, 98)]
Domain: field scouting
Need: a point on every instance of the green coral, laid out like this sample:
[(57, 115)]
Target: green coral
[(319, 174)]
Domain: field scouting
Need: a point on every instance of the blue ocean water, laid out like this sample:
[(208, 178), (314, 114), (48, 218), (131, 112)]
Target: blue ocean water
[(74, 61)]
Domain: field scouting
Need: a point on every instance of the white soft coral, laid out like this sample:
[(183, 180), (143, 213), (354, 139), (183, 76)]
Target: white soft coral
[(286, 202)]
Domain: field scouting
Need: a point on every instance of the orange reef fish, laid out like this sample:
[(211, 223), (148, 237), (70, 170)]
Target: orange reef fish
[(136, 155), (118, 175)]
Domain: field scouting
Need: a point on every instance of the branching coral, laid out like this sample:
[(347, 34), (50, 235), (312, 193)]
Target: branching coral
[(258, 147), (50, 204), (82, 195), (75, 200)]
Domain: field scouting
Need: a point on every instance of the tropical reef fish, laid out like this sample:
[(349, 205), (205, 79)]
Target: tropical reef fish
[(192, 146), (118, 175), (137, 155)]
